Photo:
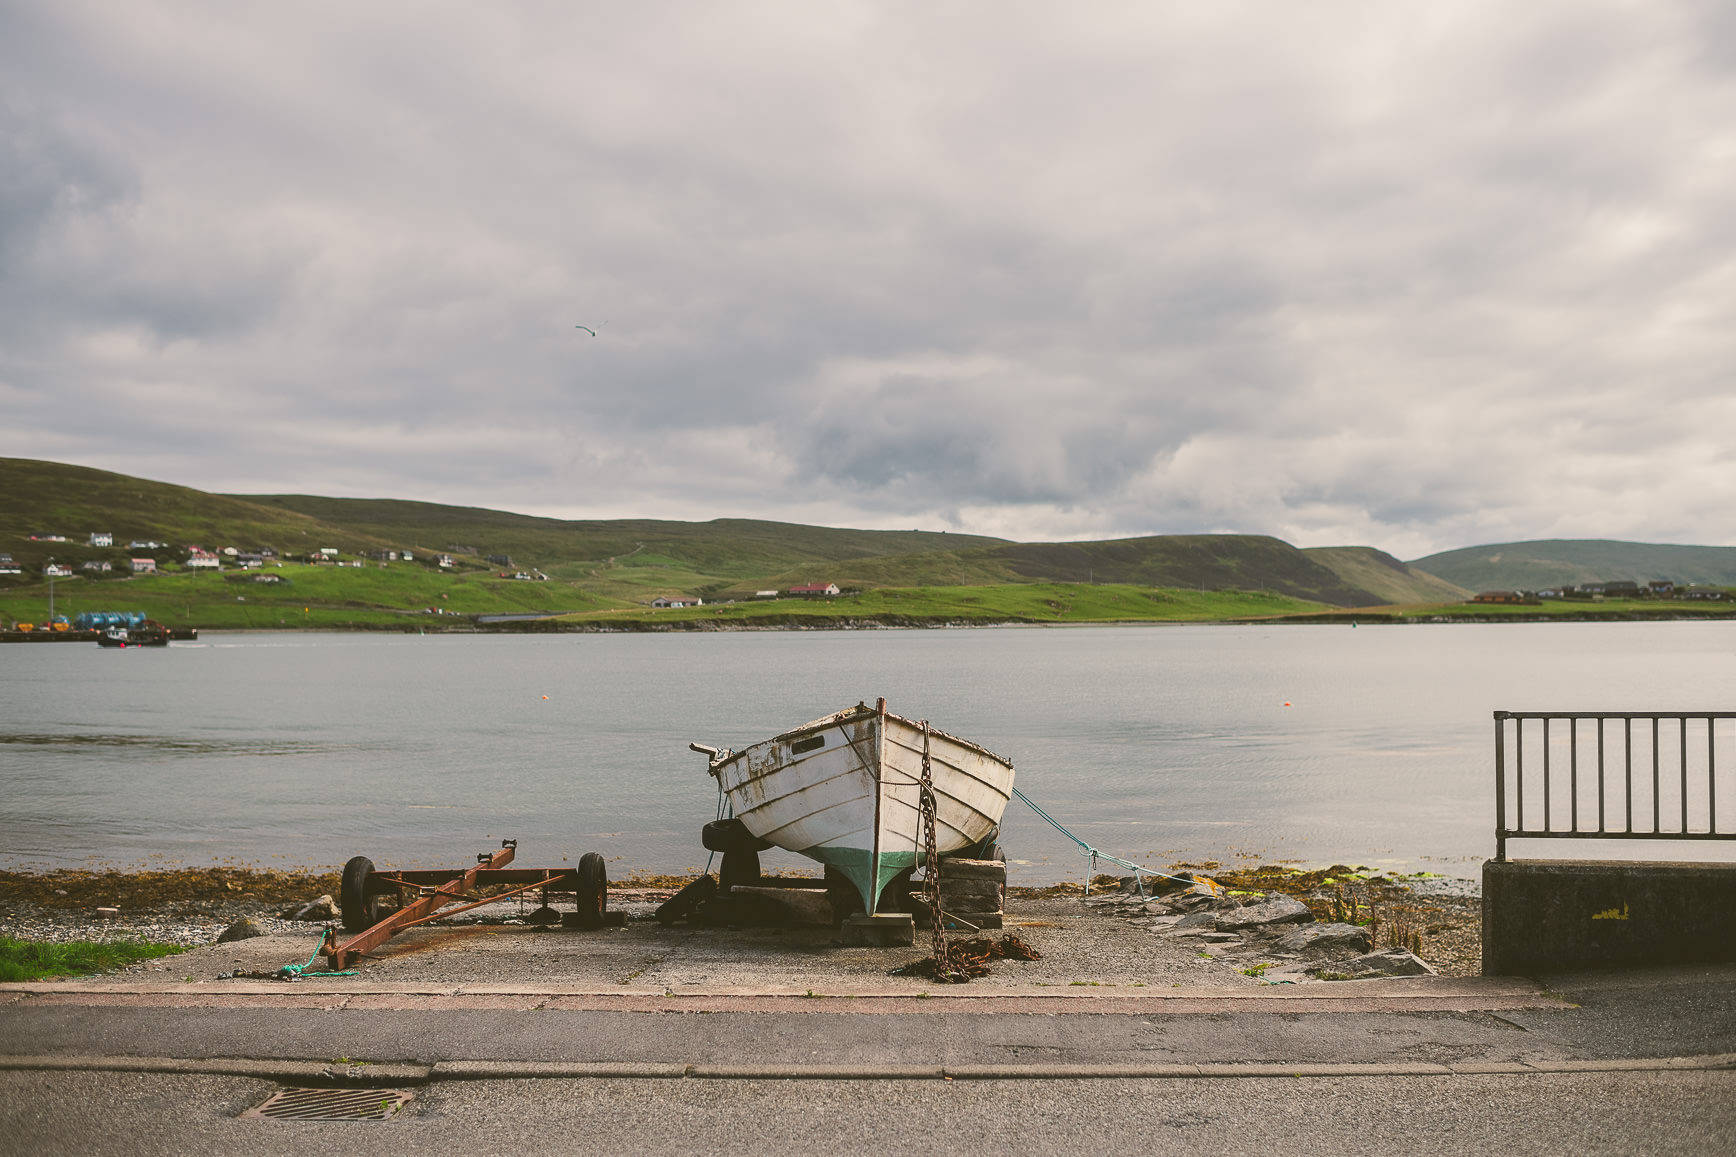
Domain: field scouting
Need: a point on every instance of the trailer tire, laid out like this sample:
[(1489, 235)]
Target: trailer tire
[(359, 909), (731, 835), (593, 891)]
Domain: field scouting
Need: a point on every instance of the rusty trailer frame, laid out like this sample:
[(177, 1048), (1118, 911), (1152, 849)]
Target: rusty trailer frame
[(426, 894)]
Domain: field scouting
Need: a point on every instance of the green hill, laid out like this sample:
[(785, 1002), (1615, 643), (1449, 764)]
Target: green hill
[(627, 562), (1245, 562), (1380, 573), (1558, 562), (637, 559), (1206, 562), (46, 498)]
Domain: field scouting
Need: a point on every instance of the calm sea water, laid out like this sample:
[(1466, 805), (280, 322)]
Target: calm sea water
[(1312, 743)]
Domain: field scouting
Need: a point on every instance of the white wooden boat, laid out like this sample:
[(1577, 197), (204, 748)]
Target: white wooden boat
[(843, 790)]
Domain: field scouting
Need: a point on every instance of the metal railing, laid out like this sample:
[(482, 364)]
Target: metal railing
[(1621, 775)]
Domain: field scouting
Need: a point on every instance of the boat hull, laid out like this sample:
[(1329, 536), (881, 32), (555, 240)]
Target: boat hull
[(844, 790)]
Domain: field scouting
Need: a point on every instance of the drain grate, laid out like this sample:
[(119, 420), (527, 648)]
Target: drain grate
[(331, 1105)]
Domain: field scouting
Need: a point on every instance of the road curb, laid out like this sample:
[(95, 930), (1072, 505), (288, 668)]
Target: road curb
[(1387, 988), (1417, 995), (399, 1073), (336, 1073)]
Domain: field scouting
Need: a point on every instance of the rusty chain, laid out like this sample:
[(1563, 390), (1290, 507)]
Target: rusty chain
[(928, 805)]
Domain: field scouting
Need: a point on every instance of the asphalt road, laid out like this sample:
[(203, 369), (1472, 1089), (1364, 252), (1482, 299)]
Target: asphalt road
[(65, 1084), (1580, 1114)]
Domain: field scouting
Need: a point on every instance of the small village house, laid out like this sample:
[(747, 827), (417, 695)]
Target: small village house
[(1501, 597), (812, 589)]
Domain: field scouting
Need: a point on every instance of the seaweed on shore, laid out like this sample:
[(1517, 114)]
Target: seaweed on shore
[(76, 888)]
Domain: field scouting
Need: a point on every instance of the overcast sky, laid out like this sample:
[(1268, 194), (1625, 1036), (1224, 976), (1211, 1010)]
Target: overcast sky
[(1411, 275)]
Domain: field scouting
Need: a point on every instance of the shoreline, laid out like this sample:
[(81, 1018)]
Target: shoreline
[(550, 626), (193, 906)]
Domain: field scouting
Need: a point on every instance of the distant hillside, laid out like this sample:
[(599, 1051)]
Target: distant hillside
[(631, 561), (1202, 562), (731, 557), (1376, 571), (1558, 562), (52, 498), (723, 545)]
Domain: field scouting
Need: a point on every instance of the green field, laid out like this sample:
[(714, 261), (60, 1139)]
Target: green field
[(411, 598), (1006, 603), (402, 595)]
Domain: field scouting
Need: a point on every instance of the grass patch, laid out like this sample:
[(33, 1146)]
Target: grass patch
[(35, 960)]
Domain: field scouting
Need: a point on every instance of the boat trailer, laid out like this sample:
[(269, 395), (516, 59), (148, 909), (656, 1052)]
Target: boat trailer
[(424, 894)]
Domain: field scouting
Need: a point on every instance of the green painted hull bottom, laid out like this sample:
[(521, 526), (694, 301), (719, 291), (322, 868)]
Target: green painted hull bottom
[(857, 864)]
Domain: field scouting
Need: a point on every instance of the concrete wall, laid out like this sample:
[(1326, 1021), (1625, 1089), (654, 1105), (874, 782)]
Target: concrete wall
[(1565, 914)]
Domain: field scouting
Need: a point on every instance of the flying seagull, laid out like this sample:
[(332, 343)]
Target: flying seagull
[(587, 329)]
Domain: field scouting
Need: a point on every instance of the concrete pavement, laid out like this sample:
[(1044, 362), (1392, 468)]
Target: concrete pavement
[(1635, 1061)]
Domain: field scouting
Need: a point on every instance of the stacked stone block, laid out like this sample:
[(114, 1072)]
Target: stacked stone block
[(972, 892)]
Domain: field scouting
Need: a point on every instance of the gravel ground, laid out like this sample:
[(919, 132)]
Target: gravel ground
[(1109, 939)]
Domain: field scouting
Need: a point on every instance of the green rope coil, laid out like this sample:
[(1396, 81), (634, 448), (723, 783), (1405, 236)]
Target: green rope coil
[(299, 971)]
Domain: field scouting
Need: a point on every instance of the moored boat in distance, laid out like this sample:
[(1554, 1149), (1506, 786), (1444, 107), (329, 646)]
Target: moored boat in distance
[(149, 633), (844, 790)]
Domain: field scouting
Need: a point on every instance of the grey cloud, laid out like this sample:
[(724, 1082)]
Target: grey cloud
[(1400, 276)]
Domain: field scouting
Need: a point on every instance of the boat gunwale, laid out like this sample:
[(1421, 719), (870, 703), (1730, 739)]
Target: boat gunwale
[(850, 715)]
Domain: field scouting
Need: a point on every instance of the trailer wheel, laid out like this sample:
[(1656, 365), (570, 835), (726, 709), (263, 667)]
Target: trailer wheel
[(593, 891), (360, 910), (731, 835)]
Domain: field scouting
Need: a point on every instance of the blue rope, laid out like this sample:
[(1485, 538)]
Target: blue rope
[(1093, 855), (297, 971)]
